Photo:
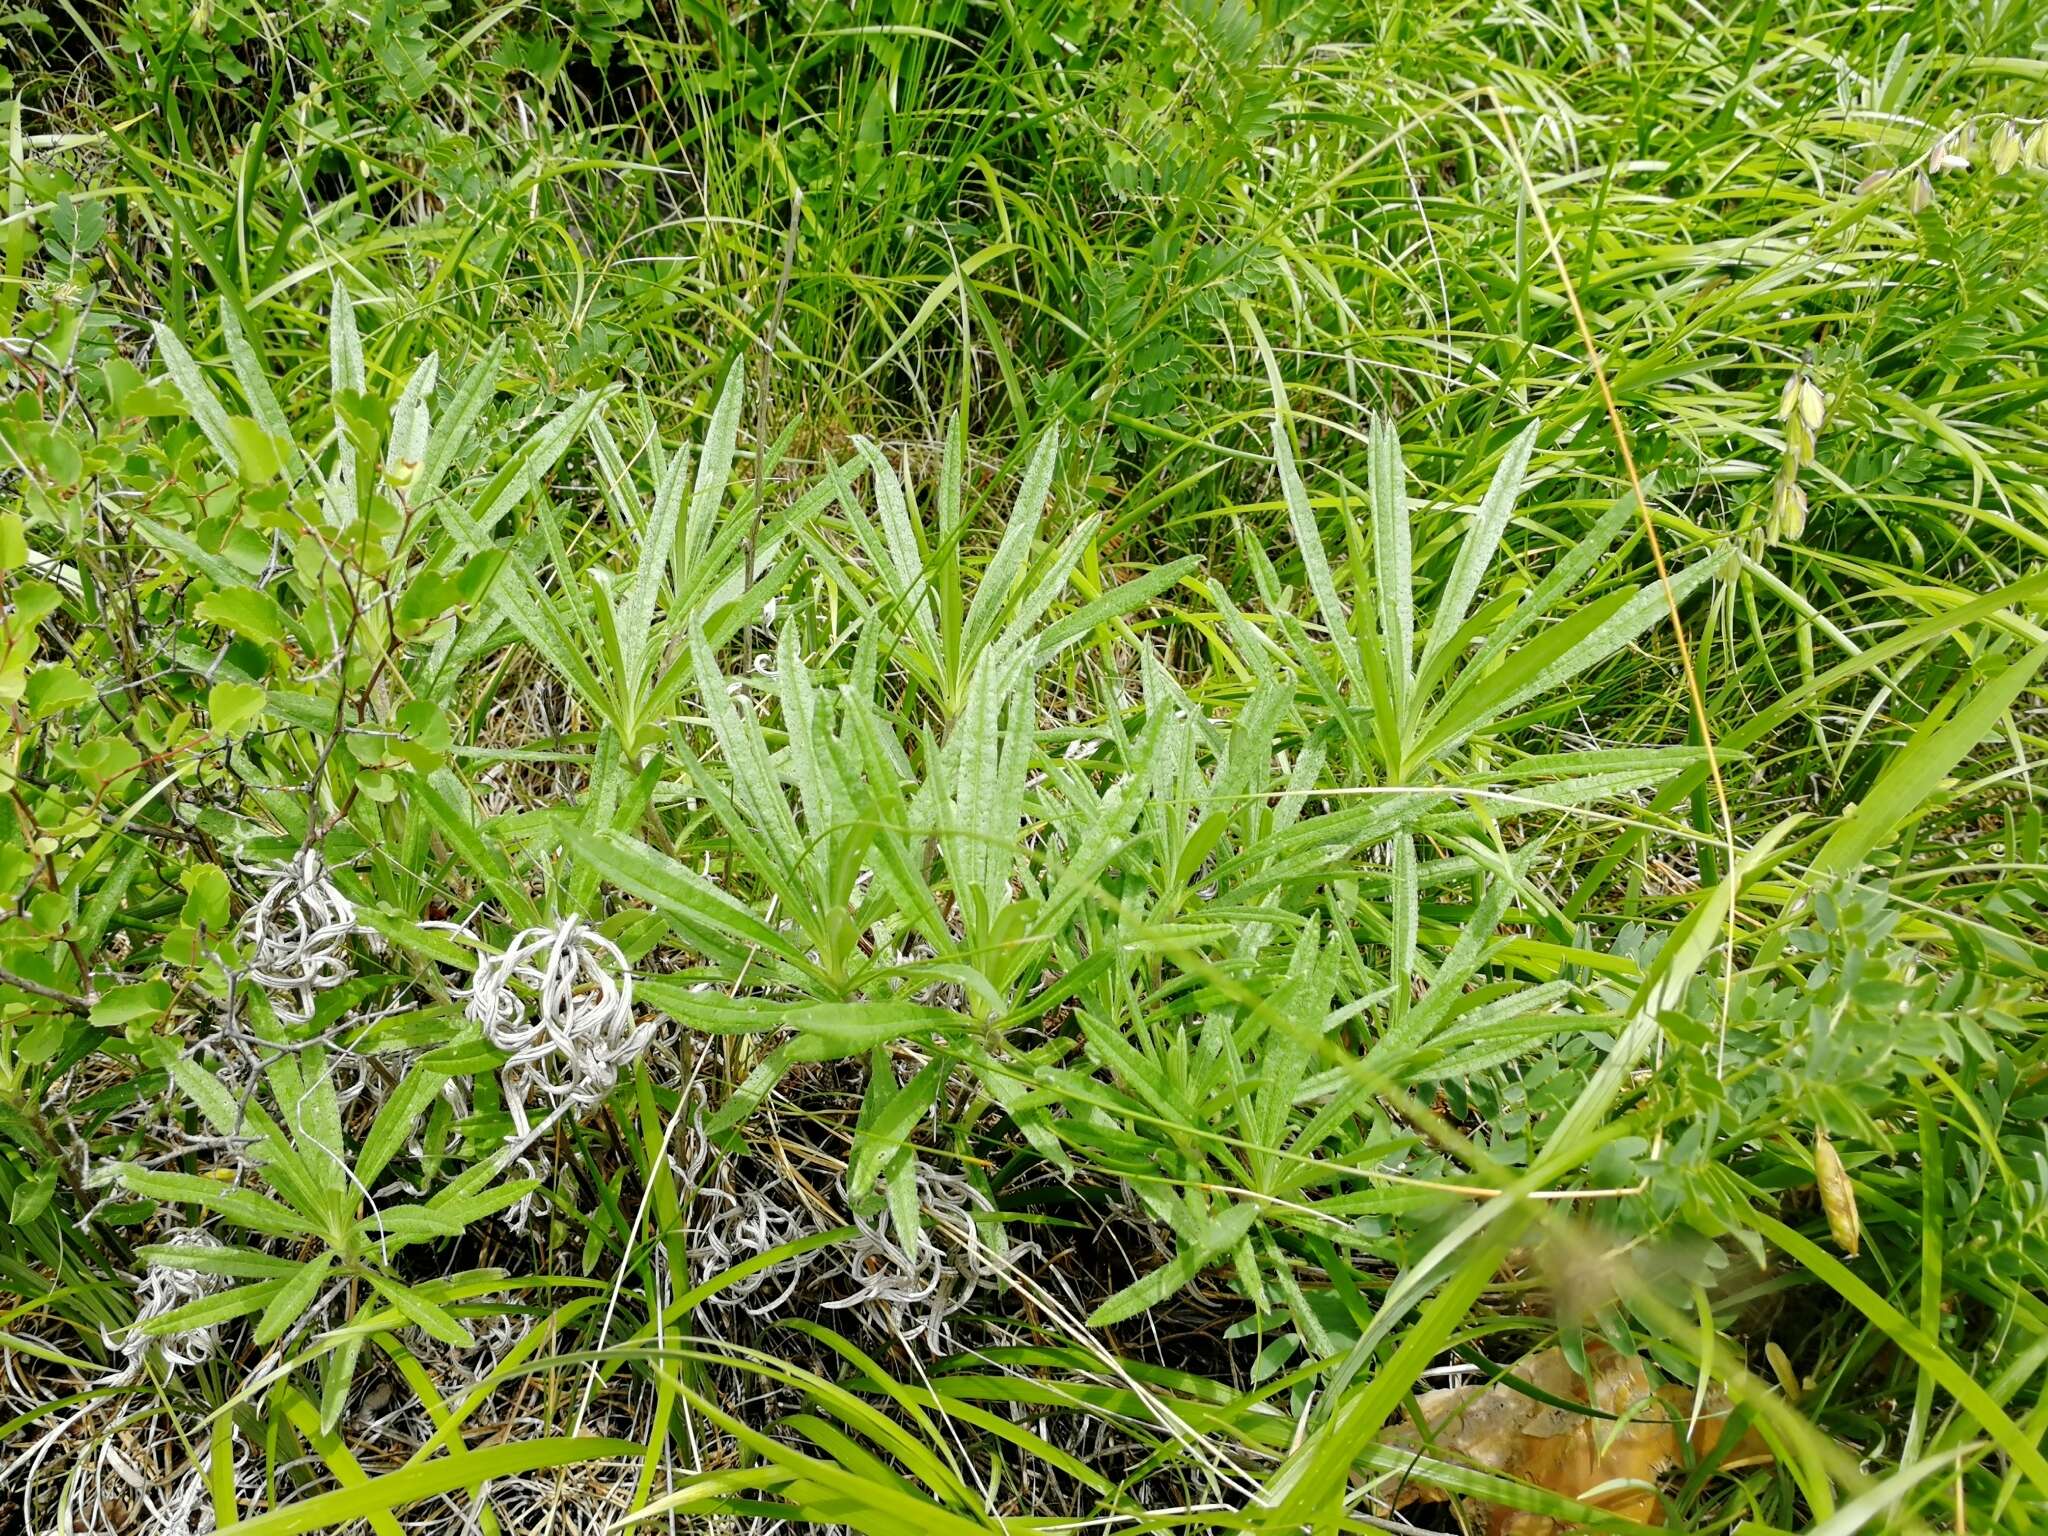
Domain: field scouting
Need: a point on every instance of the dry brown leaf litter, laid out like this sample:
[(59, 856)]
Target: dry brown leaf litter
[(1631, 1437)]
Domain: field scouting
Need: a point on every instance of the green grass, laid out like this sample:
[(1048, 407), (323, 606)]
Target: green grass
[(1268, 704)]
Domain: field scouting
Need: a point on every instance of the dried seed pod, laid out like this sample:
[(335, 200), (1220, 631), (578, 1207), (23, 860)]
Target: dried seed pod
[(1837, 1194)]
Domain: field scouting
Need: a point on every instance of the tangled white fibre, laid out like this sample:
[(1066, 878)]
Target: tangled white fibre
[(187, 1508), (914, 1289), (728, 1229), (297, 934), (559, 1002), (164, 1288)]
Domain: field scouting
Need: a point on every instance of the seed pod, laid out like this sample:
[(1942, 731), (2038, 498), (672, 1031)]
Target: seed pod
[(1813, 406), (1788, 512), (2037, 149), (2005, 148), (1837, 1194), (1950, 153), (1798, 441), (1921, 198), (1781, 1367)]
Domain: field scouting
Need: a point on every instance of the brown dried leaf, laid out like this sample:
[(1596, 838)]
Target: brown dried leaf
[(1633, 1434)]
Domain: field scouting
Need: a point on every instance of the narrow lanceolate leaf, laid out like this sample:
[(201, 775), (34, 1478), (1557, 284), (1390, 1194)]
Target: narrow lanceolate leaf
[(985, 614), (344, 372), (475, 525), (1559, 654), (292, 1299), (199, 395), (435, 1319), (657, 545), (1964, 718), (755, 784), (1113, 603), (394, 1123), (412, 423), (1475, 550), (985, 768), (714, 467), (1571, 567), (1301, 520), (219, 1259), (1393, 558), (817, 792), (426, 1479), (242, 1120), (1302, 1007), (672, 887), (451, 432), (1047, 583), (1148, 1291), (253, 377), (907, 577), (221, 1307), (844, 1028), (344, 344), (515, 590)]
